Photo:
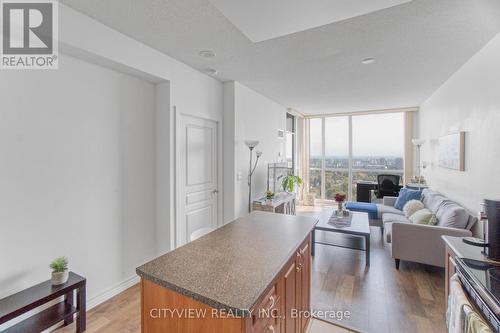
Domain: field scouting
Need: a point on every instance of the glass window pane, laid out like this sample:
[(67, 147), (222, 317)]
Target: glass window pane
[(315, 157), (315, 182), (336, 156), (378, 146), (336, 182)]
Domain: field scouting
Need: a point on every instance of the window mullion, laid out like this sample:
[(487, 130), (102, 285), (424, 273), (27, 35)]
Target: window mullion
[(323, 164), (349, 186)]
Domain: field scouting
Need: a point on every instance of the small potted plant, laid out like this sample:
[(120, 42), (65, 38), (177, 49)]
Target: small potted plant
[(339, 199), (59, 270), (269, 195), (291, 182)]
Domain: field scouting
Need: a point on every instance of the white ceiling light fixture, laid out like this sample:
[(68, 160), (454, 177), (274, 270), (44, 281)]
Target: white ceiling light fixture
[(207, 53), (367, 61)]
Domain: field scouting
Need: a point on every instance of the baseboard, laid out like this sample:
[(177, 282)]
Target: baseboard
[(119, 288)]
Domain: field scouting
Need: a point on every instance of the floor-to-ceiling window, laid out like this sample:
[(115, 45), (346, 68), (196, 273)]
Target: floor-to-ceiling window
[(347, 149), (377, 146), (336, 156)]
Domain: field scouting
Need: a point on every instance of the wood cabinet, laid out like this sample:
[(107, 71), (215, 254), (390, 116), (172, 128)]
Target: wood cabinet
[(293, 287), (289, 296), (296, 291), (304, 284), (282, 308)]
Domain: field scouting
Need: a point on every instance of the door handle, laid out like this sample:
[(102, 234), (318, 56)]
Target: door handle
[(215, 191)]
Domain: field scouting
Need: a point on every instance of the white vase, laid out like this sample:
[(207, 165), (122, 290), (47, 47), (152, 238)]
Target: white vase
[(59, 278)]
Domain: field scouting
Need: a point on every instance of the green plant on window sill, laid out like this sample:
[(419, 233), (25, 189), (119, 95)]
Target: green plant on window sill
[(291, 182)]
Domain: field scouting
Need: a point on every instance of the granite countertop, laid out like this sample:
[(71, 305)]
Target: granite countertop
[(232, 266)]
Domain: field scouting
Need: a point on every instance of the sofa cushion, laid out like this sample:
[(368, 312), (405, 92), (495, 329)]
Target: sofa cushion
[(427, 194), (423, 216), (406, 195), (450, 214), (390, 218), (412, 207), (432, 199), (383, 209), (435, 203)]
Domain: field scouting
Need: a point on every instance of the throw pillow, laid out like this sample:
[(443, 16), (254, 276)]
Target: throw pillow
[(422, 216), (451, 214), (433, 220), (406, 195), (412, 206)]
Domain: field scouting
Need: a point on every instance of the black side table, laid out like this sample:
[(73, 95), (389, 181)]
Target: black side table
[(26, 300)]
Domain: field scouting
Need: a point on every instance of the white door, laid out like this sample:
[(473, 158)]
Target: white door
[(196, 171)]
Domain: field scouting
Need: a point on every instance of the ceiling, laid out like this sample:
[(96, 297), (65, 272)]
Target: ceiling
[(416, 45), (278, 18)]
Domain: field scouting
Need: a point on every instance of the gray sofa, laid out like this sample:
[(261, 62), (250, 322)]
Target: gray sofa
[(422, 243)]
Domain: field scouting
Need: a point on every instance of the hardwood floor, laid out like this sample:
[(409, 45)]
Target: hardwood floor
[(121, 314), (380, 298)]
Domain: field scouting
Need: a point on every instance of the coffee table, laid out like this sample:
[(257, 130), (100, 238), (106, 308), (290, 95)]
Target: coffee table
[(360, 227)]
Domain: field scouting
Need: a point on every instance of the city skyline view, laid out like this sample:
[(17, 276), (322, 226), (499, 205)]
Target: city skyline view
[(377, 147)]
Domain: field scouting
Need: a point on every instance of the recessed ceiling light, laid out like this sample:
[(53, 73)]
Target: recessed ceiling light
[(207, 53), (368, 61), (212, 71)]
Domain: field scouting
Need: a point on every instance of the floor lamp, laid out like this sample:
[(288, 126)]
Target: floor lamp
[(251, 144), (418, 143)]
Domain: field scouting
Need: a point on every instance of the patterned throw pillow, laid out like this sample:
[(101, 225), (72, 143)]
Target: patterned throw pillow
[(423, 216), (412, 206)]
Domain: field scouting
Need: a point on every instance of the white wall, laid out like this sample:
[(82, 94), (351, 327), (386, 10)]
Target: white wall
[(229, 164), (249, 116), (77, 174), (188, 90), (469, 101), (88, 156)]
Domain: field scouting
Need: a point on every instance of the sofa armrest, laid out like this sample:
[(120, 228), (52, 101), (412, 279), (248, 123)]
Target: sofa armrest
[(389, 201), (422, 243)]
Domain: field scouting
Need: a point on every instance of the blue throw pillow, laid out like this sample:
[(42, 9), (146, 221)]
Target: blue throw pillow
[(406, 195)]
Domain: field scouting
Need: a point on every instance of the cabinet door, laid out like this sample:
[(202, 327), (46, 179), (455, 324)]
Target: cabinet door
[(305, 284), (289, 297)]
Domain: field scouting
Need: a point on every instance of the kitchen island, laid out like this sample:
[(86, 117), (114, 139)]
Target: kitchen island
[(251, 275)]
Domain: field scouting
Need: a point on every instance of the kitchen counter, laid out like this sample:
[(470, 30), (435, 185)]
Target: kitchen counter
[(231, 267), (464, 250)]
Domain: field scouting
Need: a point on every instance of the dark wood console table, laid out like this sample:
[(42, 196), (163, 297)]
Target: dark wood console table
[(17, 304)]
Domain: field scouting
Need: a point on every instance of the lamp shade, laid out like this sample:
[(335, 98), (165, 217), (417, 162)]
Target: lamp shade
[(418, 142), (251, 143)]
